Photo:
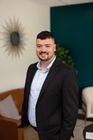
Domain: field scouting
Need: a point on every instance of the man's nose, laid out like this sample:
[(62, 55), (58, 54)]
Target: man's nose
[(43, 48)]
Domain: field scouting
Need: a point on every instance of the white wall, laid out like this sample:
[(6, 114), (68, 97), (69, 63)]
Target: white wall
[(34, 17)]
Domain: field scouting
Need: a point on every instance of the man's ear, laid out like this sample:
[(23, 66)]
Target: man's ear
[(55, 47)]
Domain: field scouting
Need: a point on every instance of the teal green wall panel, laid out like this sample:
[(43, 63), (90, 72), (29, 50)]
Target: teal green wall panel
[(72, 27)]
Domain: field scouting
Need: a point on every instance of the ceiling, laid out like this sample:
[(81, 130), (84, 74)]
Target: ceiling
[(61, 2)]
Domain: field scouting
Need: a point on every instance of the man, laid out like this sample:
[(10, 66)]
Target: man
[(50, 103)]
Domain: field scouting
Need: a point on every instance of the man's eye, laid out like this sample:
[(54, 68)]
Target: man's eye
[(47, 46), (38, 46)]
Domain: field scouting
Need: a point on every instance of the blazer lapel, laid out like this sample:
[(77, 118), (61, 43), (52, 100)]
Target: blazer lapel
[(30, 76), (51, 75)]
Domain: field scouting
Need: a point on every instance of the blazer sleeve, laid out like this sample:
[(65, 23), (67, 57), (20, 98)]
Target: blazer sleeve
[(70, 99)]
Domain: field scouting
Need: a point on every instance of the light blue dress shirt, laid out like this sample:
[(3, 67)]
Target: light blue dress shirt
[(36, 86)]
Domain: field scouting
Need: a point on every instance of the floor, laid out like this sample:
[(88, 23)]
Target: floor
[(78, 131)]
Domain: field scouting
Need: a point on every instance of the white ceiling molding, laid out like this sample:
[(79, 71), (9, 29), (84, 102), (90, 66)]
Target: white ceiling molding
[(68, 2), (61, 2), (50, 2)]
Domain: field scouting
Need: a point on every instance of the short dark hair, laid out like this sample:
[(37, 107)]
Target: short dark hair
[(45, 34)]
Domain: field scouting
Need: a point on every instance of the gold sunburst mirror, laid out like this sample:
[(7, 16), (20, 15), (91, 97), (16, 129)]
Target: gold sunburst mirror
[(14, 37)]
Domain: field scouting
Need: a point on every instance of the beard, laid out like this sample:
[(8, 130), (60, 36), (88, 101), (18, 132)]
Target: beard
[(43, 59), (43, 56)]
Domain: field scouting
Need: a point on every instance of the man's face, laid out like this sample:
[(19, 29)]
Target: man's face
[(45, 49)]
